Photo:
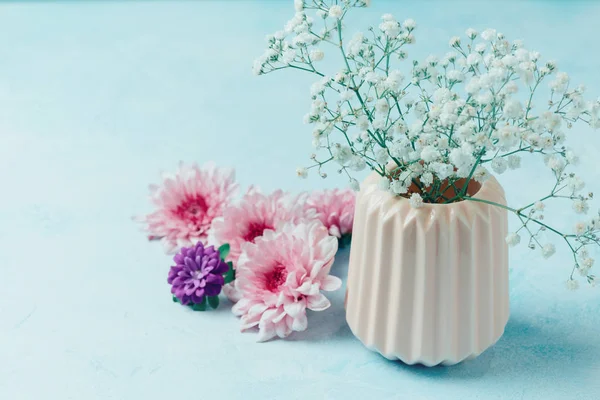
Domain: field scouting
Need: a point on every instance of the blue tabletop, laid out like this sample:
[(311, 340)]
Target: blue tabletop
[(97, 97)]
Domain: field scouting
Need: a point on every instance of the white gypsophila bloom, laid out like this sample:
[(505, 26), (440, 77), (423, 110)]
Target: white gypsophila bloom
[(391, 28), (362, 123), (462, 157), (442, 170), (299, 5), (580, 228), (341, 153), (454, 41), (499, 165), (455, 75), (522, 55), (427, 179), (409, 24), (335, 11), (416, 201), (560, 82), (473, 59), (580, 206), (512, 109), (473, 86), (346, 95), (583, 271), (432, 60), (513, 239), (394, 80), (480, 48), (399, 187), (548, 250), (556, 163), (471, 33), (288, 56), (340, 77), (587, 262), (384, 183), (506, 136), (381, 156), (354, 185), (301, 172), (317, 55), (575, 183), (429, 154), (318, 87), (514, 161), (488, 34), (572, 284), (509, 61), (481, 174), (357, 164), (571, 157), (382, 106), (539, 206), (379, 122)]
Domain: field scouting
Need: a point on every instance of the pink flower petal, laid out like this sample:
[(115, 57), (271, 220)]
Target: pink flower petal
[(318, 302), (300, 323), (331, 283), (295, 308)]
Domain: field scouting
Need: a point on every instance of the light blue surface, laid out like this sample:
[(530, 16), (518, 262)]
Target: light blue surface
[(96, 98)]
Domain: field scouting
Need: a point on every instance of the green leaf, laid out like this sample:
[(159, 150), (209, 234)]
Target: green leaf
[(213, 301), (344, 241), (200, 306), (175, 299), (230, 274), (224, 250)]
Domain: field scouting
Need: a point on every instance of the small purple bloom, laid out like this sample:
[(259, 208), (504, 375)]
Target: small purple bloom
[(198, 272)]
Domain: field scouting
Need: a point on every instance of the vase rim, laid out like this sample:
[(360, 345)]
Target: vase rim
[(484, 193)]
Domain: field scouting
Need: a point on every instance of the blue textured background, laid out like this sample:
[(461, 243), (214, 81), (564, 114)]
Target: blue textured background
[(97, 97)]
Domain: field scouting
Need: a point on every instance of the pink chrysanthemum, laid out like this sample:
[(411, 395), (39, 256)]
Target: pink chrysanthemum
[(187, 203), (254, 215), (335, 209), (281, 275)]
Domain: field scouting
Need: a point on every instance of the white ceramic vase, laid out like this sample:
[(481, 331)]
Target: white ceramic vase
[(428, 285)]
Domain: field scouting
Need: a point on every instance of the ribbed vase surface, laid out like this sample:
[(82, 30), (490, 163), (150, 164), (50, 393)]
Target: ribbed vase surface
[(428, 285)]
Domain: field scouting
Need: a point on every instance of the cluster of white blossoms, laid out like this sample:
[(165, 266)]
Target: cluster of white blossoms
[(430, 127)]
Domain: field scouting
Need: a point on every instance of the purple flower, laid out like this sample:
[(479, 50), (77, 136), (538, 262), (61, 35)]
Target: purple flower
[(198, 273)]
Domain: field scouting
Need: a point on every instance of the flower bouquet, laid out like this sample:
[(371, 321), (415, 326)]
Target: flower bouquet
[(433, 133)]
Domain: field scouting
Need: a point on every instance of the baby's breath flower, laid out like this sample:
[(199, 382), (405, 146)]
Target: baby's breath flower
[(580, 228), (499, 165), (488, 34), (572, 284), (409, 24), (317, 55), (301, 172), (580, 206), (513, 239), (548, 250), (335, 11), (471, 107), (384, 183), (471, 33), (416, 201), (514, 161)]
